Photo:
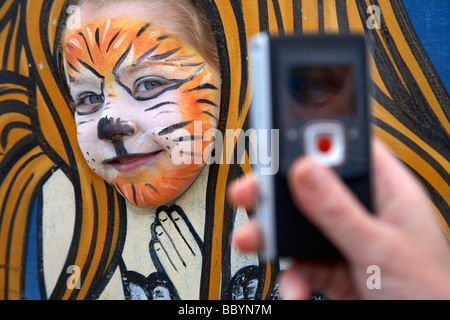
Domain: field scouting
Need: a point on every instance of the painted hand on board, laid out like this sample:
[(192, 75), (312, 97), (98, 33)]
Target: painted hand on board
[(154, 287), (177, 250), (244, 284)]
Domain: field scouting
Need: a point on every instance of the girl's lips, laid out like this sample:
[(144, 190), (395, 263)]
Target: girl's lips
[(131, 162)]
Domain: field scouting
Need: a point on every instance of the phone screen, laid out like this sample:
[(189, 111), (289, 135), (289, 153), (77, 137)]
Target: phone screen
[(320, 91)]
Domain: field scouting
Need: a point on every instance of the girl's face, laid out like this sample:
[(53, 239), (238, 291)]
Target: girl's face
[(139, 94)]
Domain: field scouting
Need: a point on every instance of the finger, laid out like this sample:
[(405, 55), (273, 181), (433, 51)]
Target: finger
[(187, 233), (328, 203), (293, 286), (173, 234), (332, 278), (248, 238), (168, 251), (394, 185), (159, 256), (244, 192)]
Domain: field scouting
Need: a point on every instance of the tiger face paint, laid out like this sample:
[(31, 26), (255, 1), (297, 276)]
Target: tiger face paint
[(132, 85)]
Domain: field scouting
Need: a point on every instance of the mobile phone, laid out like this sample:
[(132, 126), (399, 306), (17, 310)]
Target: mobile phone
[(312, 91)]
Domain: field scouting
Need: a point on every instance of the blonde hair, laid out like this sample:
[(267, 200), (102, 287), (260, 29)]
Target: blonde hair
[(190, 26)]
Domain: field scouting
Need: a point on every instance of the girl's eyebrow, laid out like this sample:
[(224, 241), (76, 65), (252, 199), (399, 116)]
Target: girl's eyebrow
[(144, 56), (91, 69), (140, 63), (162, 56), (165, 55), (181, 58)]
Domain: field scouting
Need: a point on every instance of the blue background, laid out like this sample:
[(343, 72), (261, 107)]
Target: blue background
[(430, 19)]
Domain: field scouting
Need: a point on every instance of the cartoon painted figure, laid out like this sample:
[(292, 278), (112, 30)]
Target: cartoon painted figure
[(145, 101)]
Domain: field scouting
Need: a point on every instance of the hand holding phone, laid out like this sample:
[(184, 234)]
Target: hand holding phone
[(313, 91)]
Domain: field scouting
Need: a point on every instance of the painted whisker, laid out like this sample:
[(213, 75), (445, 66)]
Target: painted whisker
[(205, 86), (159, 105), (174, 127), (187, 138)]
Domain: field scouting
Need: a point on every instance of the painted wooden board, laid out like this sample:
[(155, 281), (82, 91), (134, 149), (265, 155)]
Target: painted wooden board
[(55, 213)]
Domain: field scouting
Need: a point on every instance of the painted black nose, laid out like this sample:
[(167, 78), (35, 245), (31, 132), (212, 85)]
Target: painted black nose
[(113, 130)]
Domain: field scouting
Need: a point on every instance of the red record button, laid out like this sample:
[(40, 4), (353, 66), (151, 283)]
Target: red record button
[(324, 143)]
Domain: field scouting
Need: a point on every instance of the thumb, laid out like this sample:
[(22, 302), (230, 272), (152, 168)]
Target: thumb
[(329, 205)]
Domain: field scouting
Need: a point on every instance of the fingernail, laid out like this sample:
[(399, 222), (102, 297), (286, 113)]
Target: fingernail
[(157, 246), (159, 231), (313, 180), (287, 291), (162, 216), (175, 216)]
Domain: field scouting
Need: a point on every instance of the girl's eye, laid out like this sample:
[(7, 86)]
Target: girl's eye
[(151, 87), (92, 99), (148, 85), (89, 103)]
